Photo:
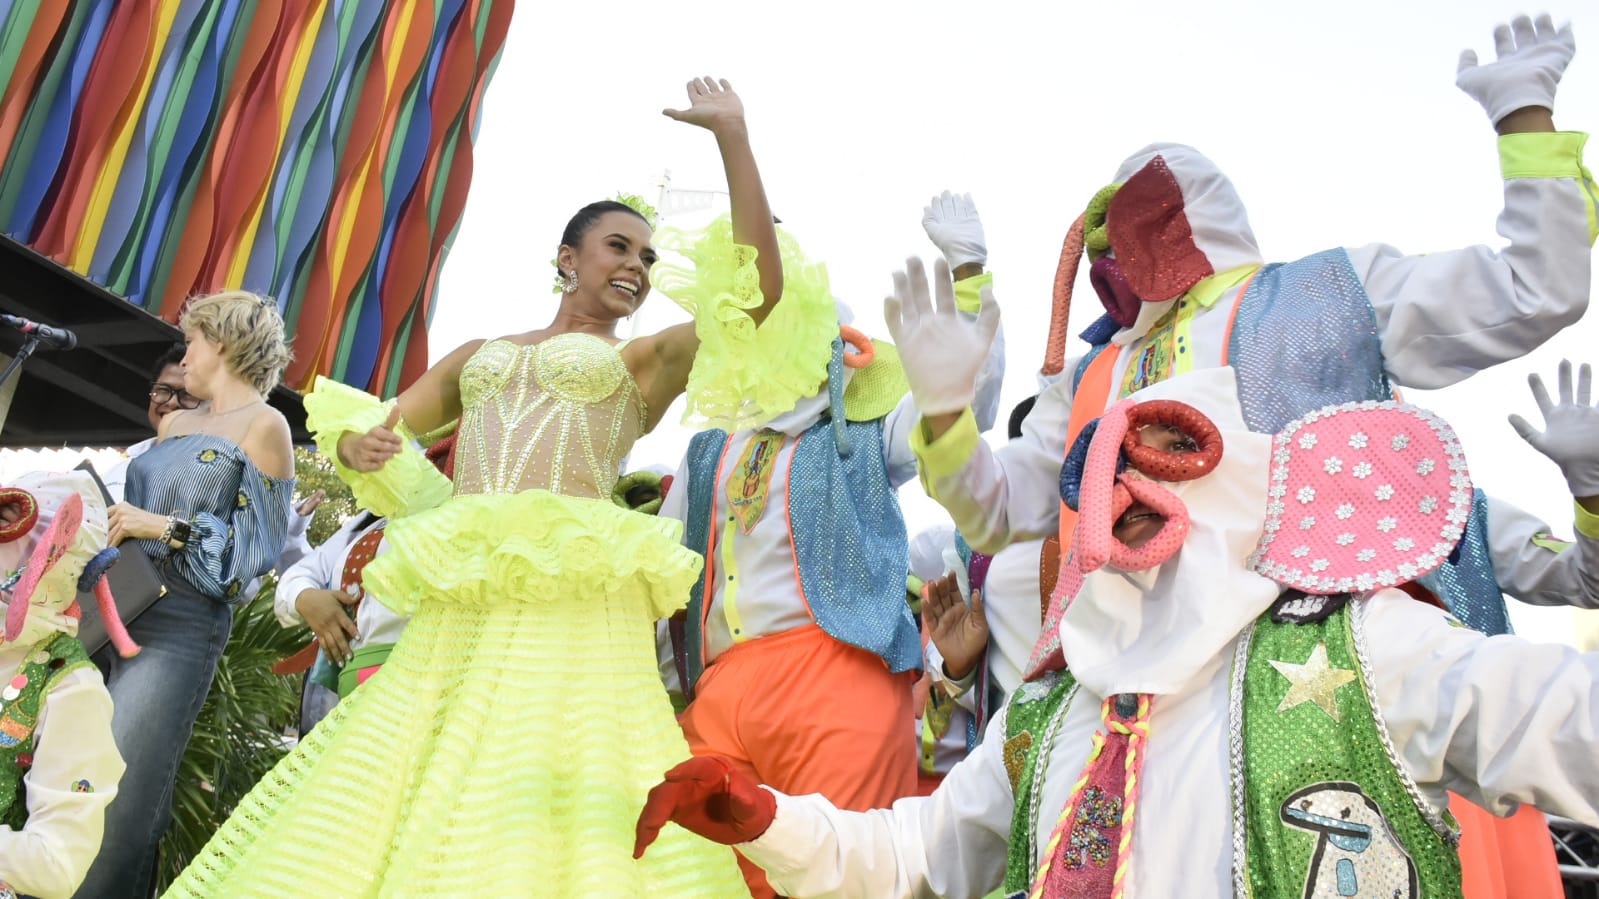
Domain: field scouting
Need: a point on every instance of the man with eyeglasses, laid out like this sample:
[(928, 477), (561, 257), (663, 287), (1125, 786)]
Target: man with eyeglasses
[(166, 395)]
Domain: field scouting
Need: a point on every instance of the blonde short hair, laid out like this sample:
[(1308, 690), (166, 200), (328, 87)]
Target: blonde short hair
[(249, 331)]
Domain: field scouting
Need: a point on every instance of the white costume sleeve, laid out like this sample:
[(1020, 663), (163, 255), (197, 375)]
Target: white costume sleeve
[(666, 658), (317, 571), (927, 551), (116, 480), (298, 545), (74, 777), (675, 504), (985, 403), (1499, 720), (950, 844), (1533, 568), (1445, 316), (997, 497)]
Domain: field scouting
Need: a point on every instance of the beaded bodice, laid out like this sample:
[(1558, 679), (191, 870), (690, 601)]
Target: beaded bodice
[(558, 415)]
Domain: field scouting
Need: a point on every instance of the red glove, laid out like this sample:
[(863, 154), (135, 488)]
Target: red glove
[(706, 795)]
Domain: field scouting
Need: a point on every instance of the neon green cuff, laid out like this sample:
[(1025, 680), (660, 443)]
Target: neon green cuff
[(968, 292), (1587, 522), (946, 455), (1544, 154)]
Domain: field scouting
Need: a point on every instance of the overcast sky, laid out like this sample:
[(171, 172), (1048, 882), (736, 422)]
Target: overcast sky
[(1339, 123)]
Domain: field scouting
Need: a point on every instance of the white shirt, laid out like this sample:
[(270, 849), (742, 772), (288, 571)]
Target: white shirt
[(49, 857), (1498, 720), (375, 623), (116, 479)]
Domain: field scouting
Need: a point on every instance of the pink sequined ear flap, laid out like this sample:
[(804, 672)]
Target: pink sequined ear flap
[(1167, 466), (1363, 496), (1166, 541), (1095, 515), (49, 550), (1151, 237)]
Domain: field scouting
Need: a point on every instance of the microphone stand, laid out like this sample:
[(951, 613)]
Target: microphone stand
[(29, 344)]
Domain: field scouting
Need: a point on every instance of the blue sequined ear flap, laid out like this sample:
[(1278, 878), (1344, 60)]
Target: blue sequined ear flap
[(1071, 470), (97, 568)]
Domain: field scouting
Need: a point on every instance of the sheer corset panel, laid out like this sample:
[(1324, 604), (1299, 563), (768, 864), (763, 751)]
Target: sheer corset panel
[(558, 415)]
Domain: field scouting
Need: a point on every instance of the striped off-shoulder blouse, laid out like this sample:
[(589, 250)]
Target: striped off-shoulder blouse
[(239, 516)]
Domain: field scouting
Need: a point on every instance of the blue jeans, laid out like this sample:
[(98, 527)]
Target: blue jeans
[(156, 696)]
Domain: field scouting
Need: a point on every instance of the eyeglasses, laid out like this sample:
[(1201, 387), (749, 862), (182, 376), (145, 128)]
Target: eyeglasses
[(161, 394)]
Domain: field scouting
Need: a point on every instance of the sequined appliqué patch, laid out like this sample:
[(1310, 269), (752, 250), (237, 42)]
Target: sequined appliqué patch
[(1357, 853), (751, 481), (1016, 757), (1096, 814)]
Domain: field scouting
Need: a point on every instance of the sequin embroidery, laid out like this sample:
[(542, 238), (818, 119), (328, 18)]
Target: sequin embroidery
[(557, 415)]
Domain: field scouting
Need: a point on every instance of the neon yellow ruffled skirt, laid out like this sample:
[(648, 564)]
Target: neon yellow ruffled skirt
[(506, 747)]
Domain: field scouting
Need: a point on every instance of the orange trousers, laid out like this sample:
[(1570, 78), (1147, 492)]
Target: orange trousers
[(805, 713), (1505, 858)]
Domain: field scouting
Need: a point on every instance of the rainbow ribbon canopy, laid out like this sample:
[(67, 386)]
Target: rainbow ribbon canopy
[(316, 151)]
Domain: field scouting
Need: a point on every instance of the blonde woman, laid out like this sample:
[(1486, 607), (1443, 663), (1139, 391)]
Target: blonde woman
[(209, 505)]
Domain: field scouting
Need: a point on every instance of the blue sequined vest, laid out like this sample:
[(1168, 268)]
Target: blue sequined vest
[(849, 540)]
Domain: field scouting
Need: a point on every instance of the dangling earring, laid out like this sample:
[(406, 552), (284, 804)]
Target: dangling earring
[(571, 282)]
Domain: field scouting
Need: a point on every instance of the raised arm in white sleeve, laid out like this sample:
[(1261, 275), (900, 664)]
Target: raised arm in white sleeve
[(997, 497), (1499, 720), (74, 777), (950, 844), (1445, 316), (1538, 569)]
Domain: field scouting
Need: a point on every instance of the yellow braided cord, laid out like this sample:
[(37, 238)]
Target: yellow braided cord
[(1137, 733), (1066, 816)]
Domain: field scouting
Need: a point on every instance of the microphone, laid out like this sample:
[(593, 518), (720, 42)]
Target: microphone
[(54, 338)]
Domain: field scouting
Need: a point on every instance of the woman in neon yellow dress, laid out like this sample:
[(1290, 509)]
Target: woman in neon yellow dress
[(506, 747)]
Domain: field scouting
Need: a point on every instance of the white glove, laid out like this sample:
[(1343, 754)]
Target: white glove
[(951, 223), (941, 349), (1531, 58), (1571, 429)]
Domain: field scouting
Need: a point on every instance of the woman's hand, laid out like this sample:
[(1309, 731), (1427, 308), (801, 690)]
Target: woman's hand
[(128, 521), (368, 452), (712, 105)]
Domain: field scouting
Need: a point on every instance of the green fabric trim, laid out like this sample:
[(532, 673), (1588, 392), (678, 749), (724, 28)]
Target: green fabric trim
[(1555, 154), (1545, 154), (1550, 542), (1587, 522), (969, 292), (365, 657), (875, 390), (1207, 291), (948, 454)]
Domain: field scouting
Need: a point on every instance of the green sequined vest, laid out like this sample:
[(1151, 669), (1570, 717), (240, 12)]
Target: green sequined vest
[(19, 714), (1032, 722), (1321, 804)]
